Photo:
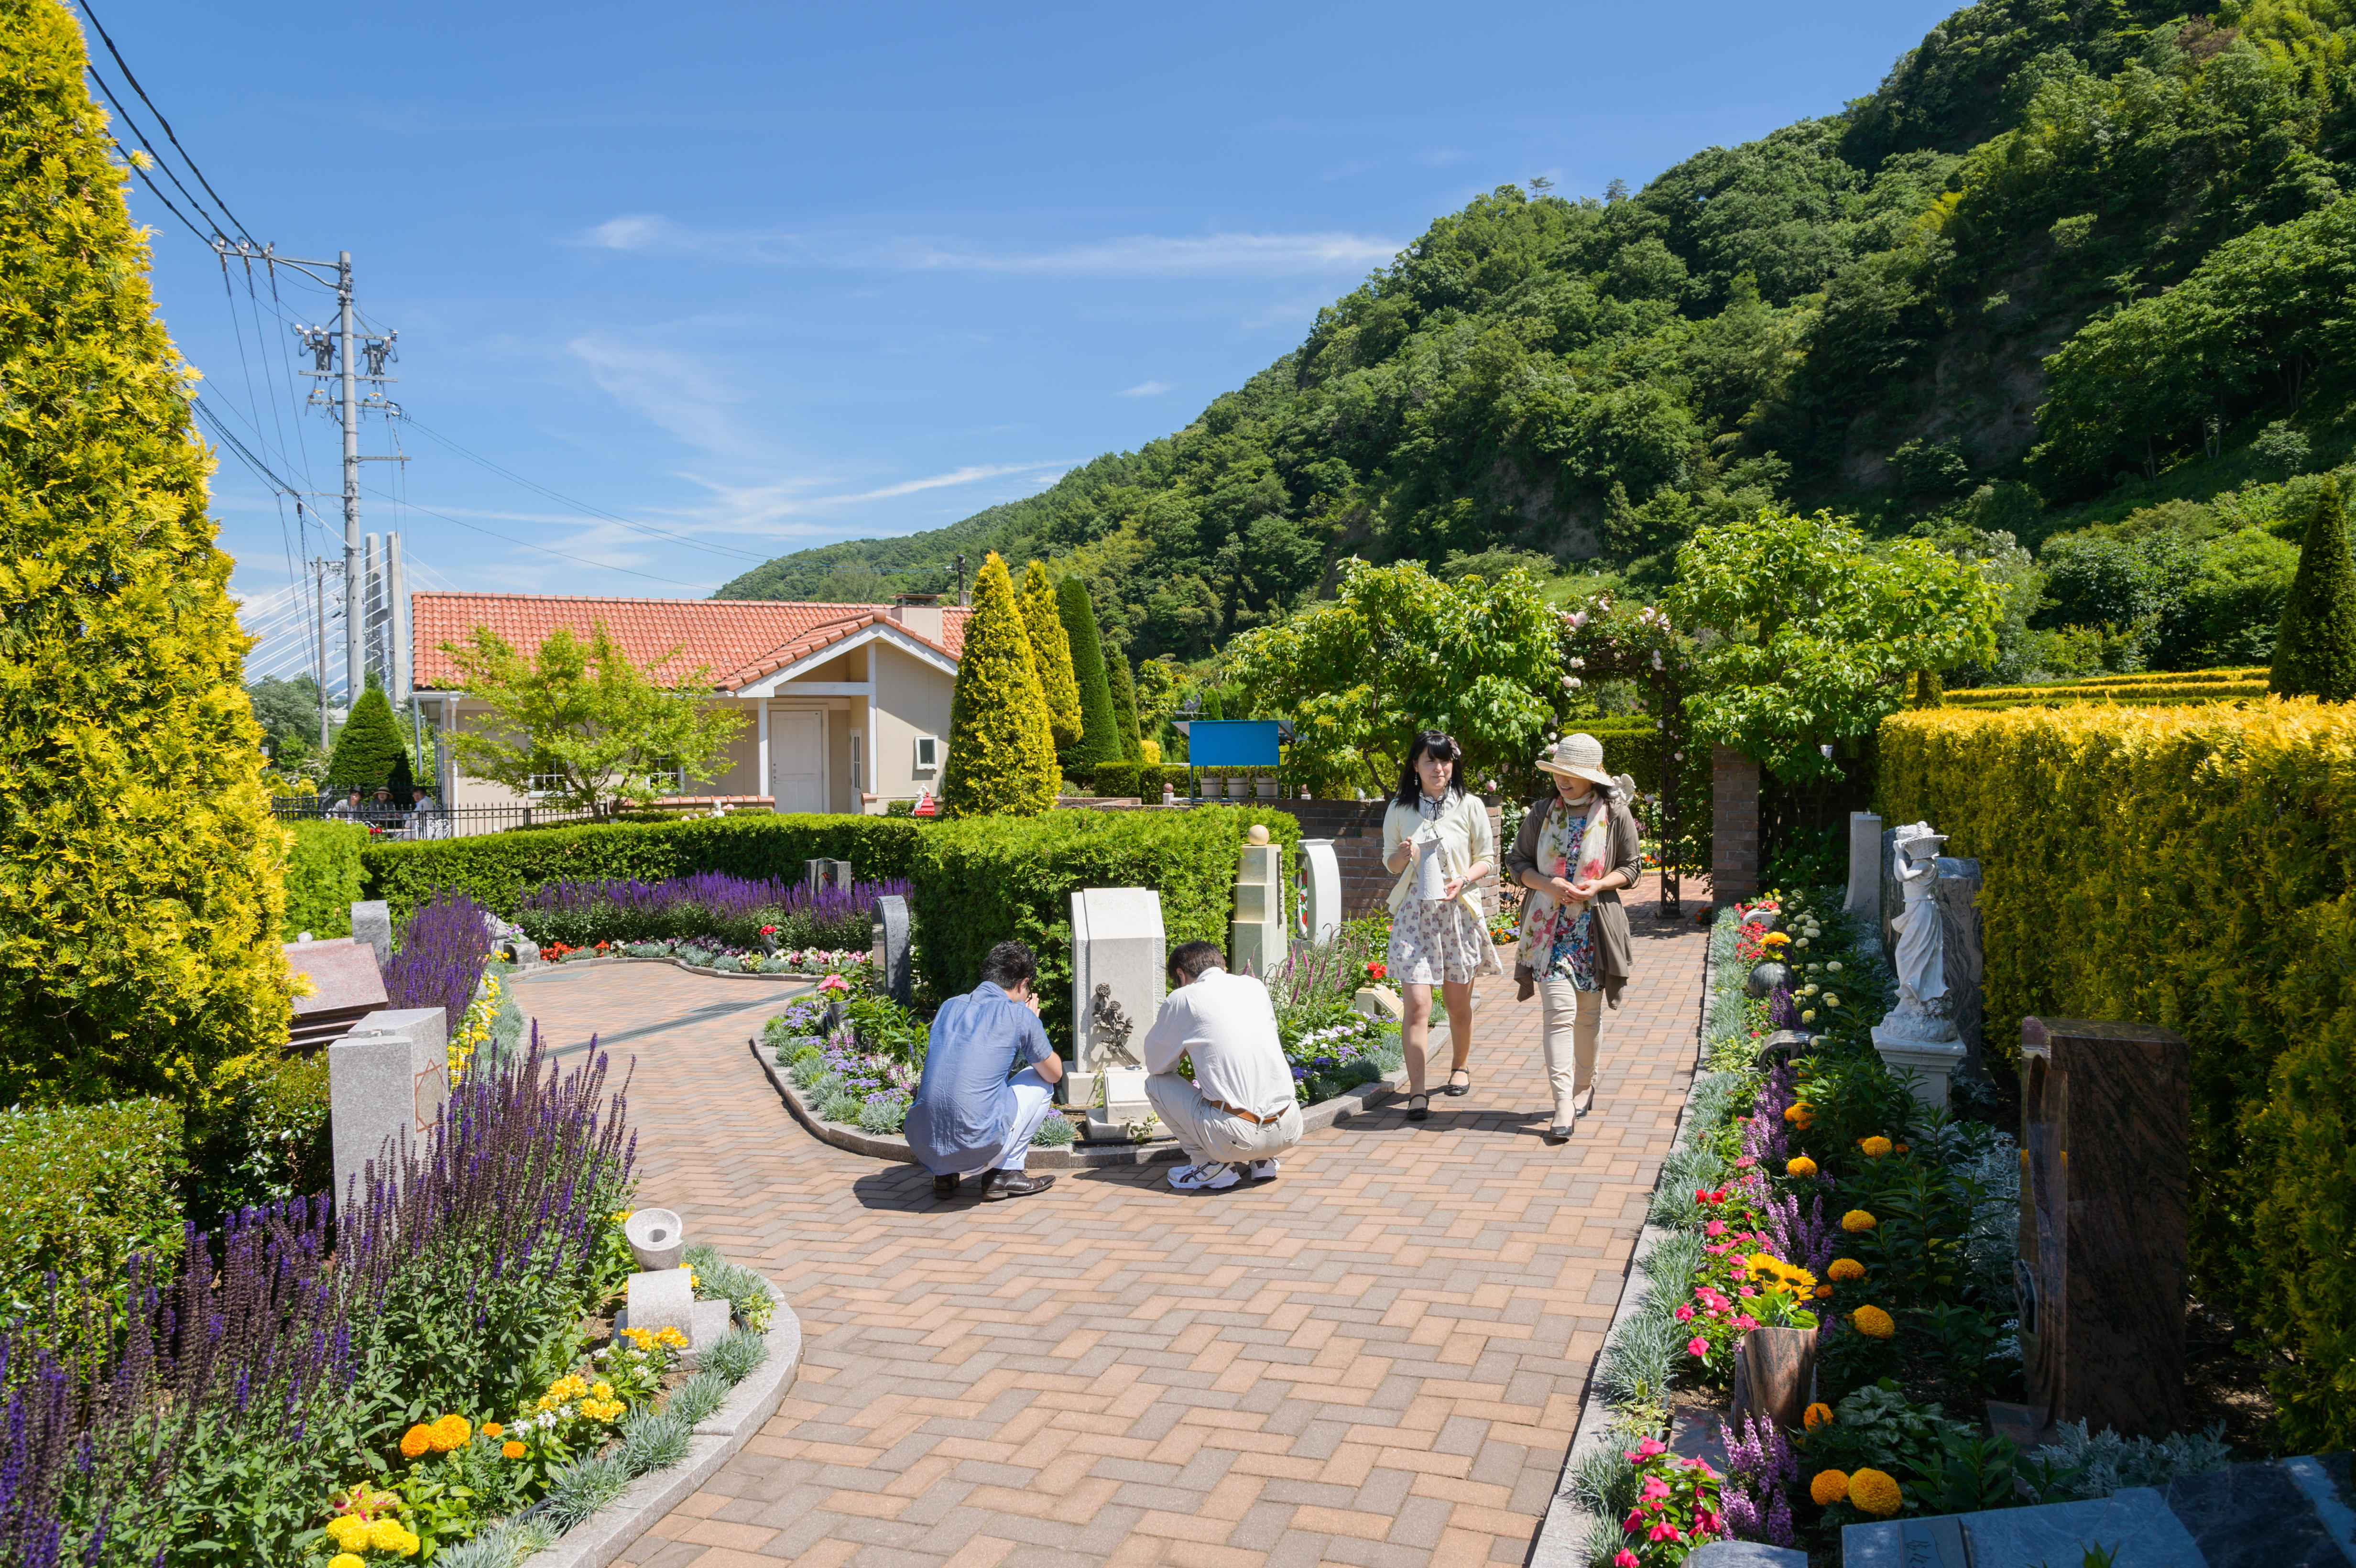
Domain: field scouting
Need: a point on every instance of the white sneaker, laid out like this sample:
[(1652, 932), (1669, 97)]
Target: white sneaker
[(1204, 1178), (1266, 1169)]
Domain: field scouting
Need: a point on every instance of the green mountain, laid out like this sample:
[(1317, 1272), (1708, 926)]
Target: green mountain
[(1947, 309)]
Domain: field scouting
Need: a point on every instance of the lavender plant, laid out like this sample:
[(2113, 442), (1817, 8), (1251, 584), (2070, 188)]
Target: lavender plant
[(442, 952)]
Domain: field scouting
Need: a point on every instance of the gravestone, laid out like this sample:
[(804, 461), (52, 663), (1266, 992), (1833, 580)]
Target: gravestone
[(821, 875), (1321, 890), (1118, 946), (1893, 894), (387, 1082), (889, 957), (1256, 938), (1864, 901), (372, 924), (2107, 1132), (347, 985), (1957, 891)]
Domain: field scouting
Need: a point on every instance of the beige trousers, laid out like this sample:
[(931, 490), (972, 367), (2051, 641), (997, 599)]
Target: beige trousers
[(1570, 1020), (1212, 1136)]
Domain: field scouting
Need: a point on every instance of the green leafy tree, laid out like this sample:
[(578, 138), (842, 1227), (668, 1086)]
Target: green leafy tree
[(1002, 756), (141, 879), (367, 746), (1099, 731), (288, 711), (1124, 703), (1051, 650), (1397, 651), (1817, 631), (2316, 654), (583, 722)]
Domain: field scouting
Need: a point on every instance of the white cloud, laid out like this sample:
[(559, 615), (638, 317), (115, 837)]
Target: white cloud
[(1144, 389)]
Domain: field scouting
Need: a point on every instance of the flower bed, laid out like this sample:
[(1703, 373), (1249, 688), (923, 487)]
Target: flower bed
[(1818, 1193), (734, 914), (708, 954)]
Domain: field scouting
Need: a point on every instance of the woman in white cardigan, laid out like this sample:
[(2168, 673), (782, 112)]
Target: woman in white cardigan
[(1437, 839)]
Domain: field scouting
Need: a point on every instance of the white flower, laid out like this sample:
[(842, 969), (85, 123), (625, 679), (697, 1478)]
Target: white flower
[(1809, 990), (1831, 1000), (1809, 1017), (1834, 965), (1814, 968), (1801, 942)]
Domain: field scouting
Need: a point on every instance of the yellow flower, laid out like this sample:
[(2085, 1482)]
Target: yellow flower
[(1774, 939), (386, 1535), (1872, 1322), (348, 1531), (602, 1391), (416, 1441), (671, 1337), (1875, 1147), (1816, 1415), (1876, 1493), (1829, 1487), (511, 1449), (345, 1560), (1800, 1165), (1858, 1220), (1845, 1270), (451, 1432)]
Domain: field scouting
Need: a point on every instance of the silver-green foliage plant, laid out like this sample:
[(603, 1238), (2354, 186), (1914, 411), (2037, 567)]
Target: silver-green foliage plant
[(654, 1440), (698, 1397), (1056, 1132), (582, 1487), (2105, 1462), (736, 1355), (502, 1547), (748, 1295)]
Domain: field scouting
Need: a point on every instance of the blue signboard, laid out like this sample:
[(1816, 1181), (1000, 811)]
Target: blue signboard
[(1231, 743)]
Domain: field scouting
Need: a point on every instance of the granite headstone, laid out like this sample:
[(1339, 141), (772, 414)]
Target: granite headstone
[(1958, 890), (1864, 901), (1118, 945), (888, 958), (345, 984), (372, 924), (387, 1082)]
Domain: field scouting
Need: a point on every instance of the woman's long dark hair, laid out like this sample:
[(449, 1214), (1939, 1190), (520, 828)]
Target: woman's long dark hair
[(1439, 745)]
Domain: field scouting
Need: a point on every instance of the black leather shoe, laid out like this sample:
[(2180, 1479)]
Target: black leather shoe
[(945, 1186), (1419, 1106), (1004, 1184)]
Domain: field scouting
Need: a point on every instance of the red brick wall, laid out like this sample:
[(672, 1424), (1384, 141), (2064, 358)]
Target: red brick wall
[(1734, 867), (1356, 827)]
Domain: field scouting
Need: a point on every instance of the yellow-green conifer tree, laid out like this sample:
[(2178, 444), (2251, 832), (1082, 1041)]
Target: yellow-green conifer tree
[(140, 877), (1002, 749), (1050, 649)]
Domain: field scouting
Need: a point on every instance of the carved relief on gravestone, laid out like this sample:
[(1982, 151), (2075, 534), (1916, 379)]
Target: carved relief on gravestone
[(1118, 950), (1109, 1030)]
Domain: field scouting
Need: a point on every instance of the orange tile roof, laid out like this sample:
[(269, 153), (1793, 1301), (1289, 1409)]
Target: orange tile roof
[(740, 640)]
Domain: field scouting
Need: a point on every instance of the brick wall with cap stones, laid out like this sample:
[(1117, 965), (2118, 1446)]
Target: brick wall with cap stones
[(1734, 867)]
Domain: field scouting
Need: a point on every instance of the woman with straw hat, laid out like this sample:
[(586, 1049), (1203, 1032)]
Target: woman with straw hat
[(1578, 848), (1437, 839)]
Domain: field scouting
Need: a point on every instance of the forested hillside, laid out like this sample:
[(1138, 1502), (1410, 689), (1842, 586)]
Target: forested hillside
[(2073, 280)]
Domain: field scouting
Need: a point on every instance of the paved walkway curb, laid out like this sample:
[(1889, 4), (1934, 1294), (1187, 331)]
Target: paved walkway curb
[(617, 1526), (1335, 1112)]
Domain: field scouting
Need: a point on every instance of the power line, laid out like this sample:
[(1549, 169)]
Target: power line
[(132, 77)]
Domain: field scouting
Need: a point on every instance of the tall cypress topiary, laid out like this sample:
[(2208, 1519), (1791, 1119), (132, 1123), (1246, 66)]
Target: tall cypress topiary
[(367, 745), (140, 877), (1124, 703), (1001, 750), (2316, 654), (1051, 651), (1099, 739)]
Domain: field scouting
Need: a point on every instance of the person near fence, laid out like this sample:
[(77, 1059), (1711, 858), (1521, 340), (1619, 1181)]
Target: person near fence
[(968, 1116), (350, 807), (1437, 839), (1240, 1113), (1579, 846)]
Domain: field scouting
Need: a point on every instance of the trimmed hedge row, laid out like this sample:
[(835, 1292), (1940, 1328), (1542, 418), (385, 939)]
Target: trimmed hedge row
[(979, 880), (497, 869), (2151, 694), (2193, 868), (88, 1186), (323, 878), (2256, 672)]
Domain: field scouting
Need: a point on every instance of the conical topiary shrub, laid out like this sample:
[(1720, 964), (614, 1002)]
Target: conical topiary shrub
[(1124, 703), (1001, 751), (2316, 654), (1051, 651), (1099, 734), (140, 877), (366, 746)]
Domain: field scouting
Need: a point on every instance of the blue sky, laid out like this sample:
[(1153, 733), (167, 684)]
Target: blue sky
[(764, 277)]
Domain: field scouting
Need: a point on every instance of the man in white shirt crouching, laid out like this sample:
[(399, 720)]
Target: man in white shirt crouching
[(1241, 1113)]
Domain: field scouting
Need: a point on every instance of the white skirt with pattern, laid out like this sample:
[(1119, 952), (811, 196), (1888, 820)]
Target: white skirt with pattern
[(1438, 941)]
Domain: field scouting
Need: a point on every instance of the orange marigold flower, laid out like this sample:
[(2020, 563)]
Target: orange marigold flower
[(1858, 1220), (493, 1429), (1845, 1269), (1816, 1415), (1824, 1290), (1829, 1487), (1874, 1146), (1872, 1322), (416, 1441), (1901, 1149), (1876, 1493), (449, 1431), (511, 1449), (1800, 1165)]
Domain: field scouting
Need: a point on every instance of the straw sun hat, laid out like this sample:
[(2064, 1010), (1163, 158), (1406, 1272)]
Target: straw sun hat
[(1581, 757)]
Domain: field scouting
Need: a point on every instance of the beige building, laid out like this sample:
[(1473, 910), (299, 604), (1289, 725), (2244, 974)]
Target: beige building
[(846, 706)]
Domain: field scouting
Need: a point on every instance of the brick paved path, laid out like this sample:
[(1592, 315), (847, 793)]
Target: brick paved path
[(1376, 1359)]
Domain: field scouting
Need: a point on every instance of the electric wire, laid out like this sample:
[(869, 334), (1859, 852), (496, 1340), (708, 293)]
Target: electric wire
[(132, 77)]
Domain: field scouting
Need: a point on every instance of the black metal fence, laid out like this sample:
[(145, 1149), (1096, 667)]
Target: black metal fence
[(432, 822)]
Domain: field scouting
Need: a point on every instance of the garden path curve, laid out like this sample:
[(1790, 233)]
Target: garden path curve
[(1377, 1358)]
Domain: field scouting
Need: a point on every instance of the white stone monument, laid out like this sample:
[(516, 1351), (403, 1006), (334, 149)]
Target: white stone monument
[(373, 925), (1919, 1035), (1320, 890), (387, 1082), (1256, 938), (1118, 945), (1864, 901)]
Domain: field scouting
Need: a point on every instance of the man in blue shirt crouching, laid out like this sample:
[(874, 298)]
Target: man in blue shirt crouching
[(969, 1114)]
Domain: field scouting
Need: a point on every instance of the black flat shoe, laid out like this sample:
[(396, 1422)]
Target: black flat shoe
[(1452, 1087), (1005, 1184), (1416, 1112), (945, 1187)]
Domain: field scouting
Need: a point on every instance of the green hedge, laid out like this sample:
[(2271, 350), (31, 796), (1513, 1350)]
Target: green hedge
[(980, 880), (2192, 868), (323, 878), (88, 1186), (498, 869)]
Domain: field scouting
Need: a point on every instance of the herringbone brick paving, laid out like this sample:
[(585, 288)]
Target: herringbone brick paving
[(1376, 1359)]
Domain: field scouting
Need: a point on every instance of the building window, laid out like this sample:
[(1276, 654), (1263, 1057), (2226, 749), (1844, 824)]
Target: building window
[(928, 754), (858, 763)]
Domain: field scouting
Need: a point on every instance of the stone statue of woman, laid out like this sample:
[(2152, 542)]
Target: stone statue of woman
[(1920, 959)]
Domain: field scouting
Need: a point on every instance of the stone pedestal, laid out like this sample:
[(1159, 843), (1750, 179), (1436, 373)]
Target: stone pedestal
[(387, 1082), (1932, 1061), (1956, 890), (1320, 890), (1734, 857), (1864, 901), (662, 1299), (1379, 1002), (821, 875), (372, 924), (1118, 946), (1256, 938), (2106, 1138), (889, 956)]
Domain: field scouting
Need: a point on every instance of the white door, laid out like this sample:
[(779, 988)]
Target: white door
[(797, 760)]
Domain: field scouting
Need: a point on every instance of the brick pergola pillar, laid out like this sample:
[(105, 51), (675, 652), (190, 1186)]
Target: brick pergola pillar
[(1734, 826)]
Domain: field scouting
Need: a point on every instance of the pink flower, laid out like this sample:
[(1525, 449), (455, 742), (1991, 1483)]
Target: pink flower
[(1746, 1323), (834, 983), (1633, 1522), (1745, 1163), (1654, 1487), (1714, 1228), (1626, 1560), (1664, 1530), (1685, 1312), (1697, 1346), (1749, 1290), (1650, 1447)]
